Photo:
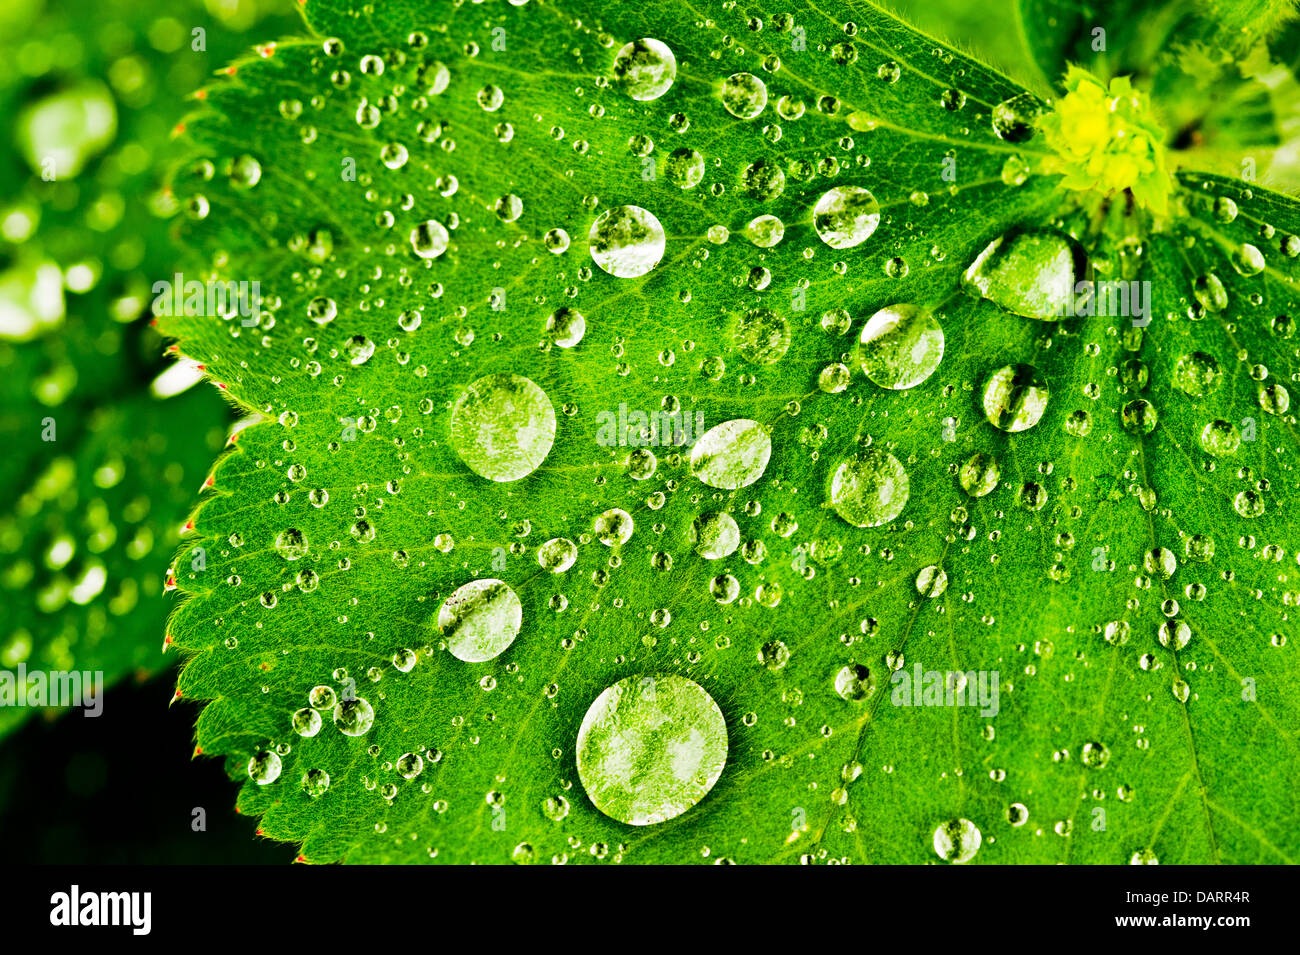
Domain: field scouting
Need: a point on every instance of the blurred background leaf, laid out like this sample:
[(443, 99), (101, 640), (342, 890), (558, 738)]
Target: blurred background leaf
[(102, 456)]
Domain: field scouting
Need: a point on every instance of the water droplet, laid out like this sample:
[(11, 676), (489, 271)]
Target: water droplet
[(614, 527), (645, 69), (1139, 416), (264, 767), (650, 748), (980, 474), (744, 95), (291, 544), (315, 782), (354, 717), (1209, 291), (429, 239), (557, 555), (845, 216), (1015, 397), (1014, 118), (715, 535), (565, 327), (306, 722), (902, 346), (869, 489), (1095, 755), (931, 581), (684, 168), (1029, 273), (627, 241), (1220, 438), (1197, 374), (322, 698), (854, 683), (957, 840), (480, 620), (762, 336), (502, 427), (731, 455)]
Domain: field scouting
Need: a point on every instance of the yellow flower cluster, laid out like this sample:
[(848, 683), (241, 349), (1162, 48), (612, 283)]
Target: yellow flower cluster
[(1106, 140)]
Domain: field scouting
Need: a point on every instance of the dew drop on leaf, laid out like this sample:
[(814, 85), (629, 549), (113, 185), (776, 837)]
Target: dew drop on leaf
[(901, 346), (354, 717), (1015, 397), (1197, 374), (429, 239), (979, 474), (957, 840), (614, 527), (306, 722), (715, 535), (503, 427), (627, 241), (322, 698), (744, 95), (264, 767), (1029, 273), (762, 336), (291, 544), (480, 620), (650, 748), (557, 555), (732, 455), (645, 69), (845, 216), (315, 782), (1014, 118), (565, 327), (1220, 437), (869, 489), (854, 683)]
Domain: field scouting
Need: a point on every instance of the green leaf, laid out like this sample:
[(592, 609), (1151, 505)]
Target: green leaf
[(100, 468), (436, 416)]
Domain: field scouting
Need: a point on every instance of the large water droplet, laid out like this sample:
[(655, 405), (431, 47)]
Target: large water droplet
[(957, 840), (902, 345), (565, 327), (845, 216), (264, 767), (1014, 118), (502, 427), (744, 95), (557, 555), (715, 535), (480, 619), (980, 474), (1029, 273), (627, 241), (1015, 397), (1197, 374), (732, 455), (762, 336), (429, 239), (650, 748), (645, 69), (1220, 438), (354, 717), (869, 489)]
